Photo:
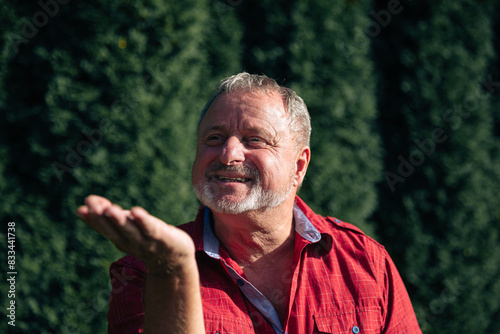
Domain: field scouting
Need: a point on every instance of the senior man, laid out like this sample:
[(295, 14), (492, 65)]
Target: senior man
[(256, 259)]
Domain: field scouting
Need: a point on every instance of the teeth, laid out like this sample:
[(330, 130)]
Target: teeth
[(227, 179)]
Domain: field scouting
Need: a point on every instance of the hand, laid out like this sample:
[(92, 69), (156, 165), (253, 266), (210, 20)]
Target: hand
[(166, 250)]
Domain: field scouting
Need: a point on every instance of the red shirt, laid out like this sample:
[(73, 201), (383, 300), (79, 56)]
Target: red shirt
[(342, 281)]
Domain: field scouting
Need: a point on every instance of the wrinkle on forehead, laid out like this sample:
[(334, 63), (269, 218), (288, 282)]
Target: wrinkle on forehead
[(254, 111)]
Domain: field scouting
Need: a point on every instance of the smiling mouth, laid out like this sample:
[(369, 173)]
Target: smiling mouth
[(231, 179)]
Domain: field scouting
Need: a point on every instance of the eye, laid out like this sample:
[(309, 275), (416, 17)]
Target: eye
[(215, 139), (256, 141)]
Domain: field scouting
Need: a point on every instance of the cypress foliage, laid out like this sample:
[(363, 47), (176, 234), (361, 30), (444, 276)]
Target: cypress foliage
[(224, 41), (438, 201), (100, 98), (493, 289), (332, 70), (267, 31)]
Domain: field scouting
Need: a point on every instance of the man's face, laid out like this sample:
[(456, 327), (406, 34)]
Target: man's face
[(245, 157)]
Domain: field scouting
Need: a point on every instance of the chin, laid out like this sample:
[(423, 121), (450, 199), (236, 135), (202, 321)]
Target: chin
[(257, 200)]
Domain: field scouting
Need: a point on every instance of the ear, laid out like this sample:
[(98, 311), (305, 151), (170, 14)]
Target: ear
[(301, 162)]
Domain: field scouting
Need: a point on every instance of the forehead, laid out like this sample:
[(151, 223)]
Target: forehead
[(244, 108)]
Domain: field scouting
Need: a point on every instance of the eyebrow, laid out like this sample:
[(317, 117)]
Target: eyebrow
[(221, 127), (224, 127)]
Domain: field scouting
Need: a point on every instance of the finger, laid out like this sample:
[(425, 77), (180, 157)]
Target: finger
[(112, 222), (120, 219), (148, 224), (96, 208), (125, 236), (97, 204), (100, 223), (83, 212)]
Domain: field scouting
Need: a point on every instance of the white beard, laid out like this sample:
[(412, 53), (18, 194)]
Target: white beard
[(258, 199)]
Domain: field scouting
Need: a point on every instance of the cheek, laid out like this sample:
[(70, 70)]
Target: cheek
[(198, 168), (274, 169), (203, 158)]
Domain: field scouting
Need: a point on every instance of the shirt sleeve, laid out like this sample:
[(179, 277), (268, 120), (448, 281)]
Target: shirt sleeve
[(399, 315), (126, 302)]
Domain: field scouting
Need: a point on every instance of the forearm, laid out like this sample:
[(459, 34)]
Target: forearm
[(172, 296), (173, 302)]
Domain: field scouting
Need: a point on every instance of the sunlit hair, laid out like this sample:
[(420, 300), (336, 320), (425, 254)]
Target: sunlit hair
[(296, 109)]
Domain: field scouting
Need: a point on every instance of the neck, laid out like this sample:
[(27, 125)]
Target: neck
[(251, 236)]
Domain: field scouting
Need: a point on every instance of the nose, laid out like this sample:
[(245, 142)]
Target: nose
[(233, 152)]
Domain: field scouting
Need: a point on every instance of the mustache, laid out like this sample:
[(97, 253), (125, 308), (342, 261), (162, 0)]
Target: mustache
[(220, 167)]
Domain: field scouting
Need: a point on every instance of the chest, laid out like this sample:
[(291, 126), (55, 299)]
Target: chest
[(276, 288), (320, 300)]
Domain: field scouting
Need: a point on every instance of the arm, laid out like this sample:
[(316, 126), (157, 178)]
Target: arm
[(399, 316), (172, 297), (176, 309)]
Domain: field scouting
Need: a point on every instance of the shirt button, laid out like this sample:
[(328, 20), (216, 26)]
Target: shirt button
[(355, 329), (240, 282)]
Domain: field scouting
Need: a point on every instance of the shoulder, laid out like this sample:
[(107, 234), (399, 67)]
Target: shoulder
[(350, 240), (346, 230), (353, 253), (343, 235)]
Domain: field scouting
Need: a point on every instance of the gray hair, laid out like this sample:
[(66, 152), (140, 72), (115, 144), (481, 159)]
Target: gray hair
[(296, 109)]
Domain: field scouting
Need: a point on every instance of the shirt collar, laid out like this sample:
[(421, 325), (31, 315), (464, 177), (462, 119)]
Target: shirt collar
[(210, 241), (303, 227)]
